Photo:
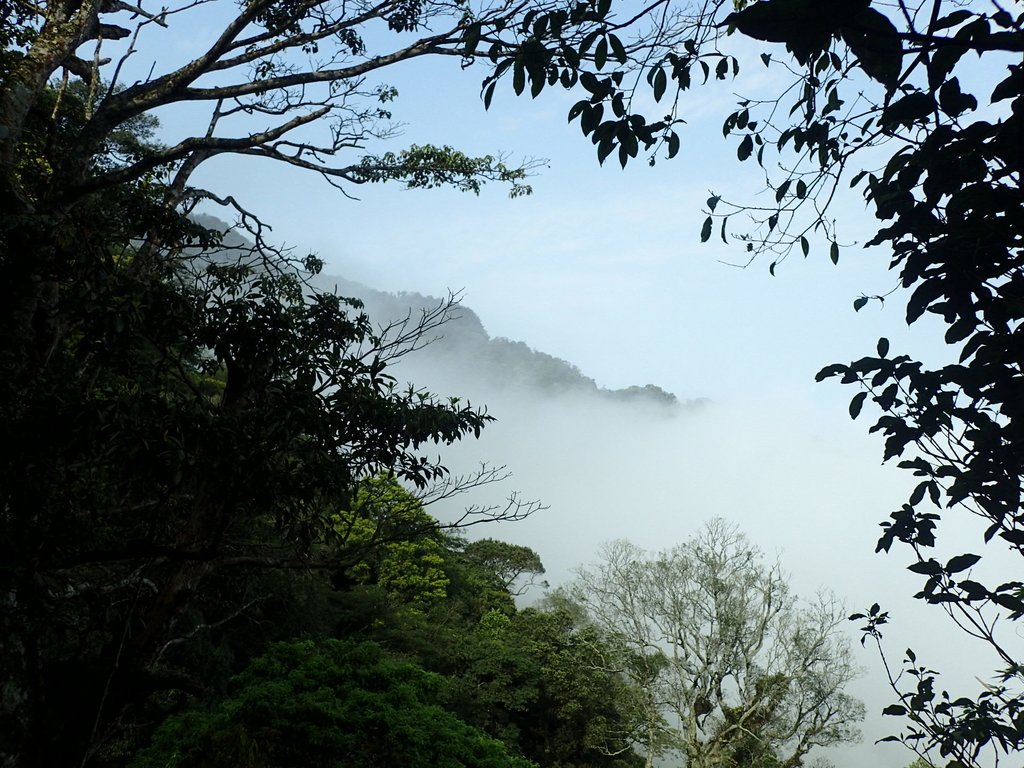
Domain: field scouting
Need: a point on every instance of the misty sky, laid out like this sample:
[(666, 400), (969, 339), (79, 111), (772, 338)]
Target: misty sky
[(604, 268)]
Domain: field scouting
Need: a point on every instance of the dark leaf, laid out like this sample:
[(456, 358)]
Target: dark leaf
[(961, 563), (1009, 87), (856, 404), (829, 371), (660, 83), (618, 50), (745, 148), (673, 144), (601, 53), (928, 567), (911, 108), (953, 101), (918, 495), (875, 41), (951, 20), (518, 78)]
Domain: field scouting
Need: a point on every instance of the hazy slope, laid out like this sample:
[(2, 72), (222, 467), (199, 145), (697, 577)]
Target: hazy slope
[(463, 359)]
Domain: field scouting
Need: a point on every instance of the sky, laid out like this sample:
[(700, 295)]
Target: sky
[(603, 267)]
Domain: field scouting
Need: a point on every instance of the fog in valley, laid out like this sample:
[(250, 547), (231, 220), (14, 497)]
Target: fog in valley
[(651, 466)]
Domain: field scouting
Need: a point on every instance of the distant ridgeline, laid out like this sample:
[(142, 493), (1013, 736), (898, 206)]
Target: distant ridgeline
[(462, 354), (466, 352)]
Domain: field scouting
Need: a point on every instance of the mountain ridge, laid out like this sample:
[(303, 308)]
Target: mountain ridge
[(463, 354), (463, 343)]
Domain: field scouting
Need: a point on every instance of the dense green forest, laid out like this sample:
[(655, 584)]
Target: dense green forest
[(215, 549)]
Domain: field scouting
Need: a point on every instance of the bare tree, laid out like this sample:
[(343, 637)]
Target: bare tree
[(746, 672)]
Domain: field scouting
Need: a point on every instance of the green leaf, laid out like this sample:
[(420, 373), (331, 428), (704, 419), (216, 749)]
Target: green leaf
[(705, 231)]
